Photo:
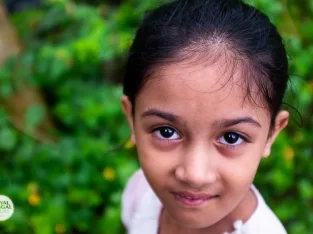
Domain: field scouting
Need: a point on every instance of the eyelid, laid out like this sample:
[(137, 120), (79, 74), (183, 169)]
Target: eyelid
[(157, 127)]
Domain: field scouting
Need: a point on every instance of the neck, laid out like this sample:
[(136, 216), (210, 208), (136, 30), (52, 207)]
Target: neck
[(242, 212)]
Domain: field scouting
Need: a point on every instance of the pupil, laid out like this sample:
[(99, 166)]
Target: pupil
[(166, 132), (231, 138)]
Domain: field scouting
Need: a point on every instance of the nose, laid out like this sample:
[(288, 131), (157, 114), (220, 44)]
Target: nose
[(197, 167)]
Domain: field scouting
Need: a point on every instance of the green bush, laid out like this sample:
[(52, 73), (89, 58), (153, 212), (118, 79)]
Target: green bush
[(68, 178)]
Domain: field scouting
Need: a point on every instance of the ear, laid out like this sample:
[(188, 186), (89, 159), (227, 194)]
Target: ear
[(127, 109), (281, 121)]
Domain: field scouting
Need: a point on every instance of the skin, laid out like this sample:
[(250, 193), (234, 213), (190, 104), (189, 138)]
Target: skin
[(200, 104)]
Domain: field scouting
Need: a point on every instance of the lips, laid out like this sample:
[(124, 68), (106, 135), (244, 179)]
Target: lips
[(194, 196), (193, 199)]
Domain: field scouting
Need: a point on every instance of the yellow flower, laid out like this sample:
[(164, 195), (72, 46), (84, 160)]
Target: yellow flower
[(289, 153), (32, 187), (34, 199), (129, 144), (109, 173), (59, 228)]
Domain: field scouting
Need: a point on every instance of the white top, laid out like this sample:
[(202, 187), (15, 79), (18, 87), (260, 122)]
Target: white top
[(141, 211)]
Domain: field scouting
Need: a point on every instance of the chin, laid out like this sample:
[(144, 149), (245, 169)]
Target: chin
[(193, 221), (196, 224)]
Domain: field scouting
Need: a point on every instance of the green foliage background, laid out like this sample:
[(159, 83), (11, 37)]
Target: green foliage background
[(73, 53)]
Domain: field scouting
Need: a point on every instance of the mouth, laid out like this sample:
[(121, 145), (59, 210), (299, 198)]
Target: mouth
[(191, 199)]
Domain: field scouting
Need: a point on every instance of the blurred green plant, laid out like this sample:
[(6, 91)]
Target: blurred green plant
[(68, 178)]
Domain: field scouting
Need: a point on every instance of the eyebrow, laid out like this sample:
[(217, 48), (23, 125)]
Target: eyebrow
[(162, 114), (223, 123)]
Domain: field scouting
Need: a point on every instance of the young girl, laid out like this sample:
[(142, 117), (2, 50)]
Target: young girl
[(203, 89)]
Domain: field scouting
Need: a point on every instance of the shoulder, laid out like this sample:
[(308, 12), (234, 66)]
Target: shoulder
[(263, 221), (135, 188)]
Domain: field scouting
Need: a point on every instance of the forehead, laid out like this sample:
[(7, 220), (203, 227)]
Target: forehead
[(201, 89)]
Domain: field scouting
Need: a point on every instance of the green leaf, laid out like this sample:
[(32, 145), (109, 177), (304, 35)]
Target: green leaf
[(33, 116), (3, 116), (8, 138), (5, 90), (41, 224), (306, 189), (112, 220)]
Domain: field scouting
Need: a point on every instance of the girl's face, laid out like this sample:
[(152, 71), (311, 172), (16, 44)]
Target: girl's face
[(199, 140)]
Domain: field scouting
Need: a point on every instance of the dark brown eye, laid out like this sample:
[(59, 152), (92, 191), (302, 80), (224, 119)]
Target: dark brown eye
[(166, 133), (231, 138)]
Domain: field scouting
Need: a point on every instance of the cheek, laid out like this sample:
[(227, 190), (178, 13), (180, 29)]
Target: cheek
[(239, 174), (244, 168), (152, 153), (157, 165)]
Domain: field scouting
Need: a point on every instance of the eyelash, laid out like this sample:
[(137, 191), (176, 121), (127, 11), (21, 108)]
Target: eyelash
[(243, 138)]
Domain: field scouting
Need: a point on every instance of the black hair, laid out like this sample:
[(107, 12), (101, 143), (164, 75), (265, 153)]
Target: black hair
[(176, 27)]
